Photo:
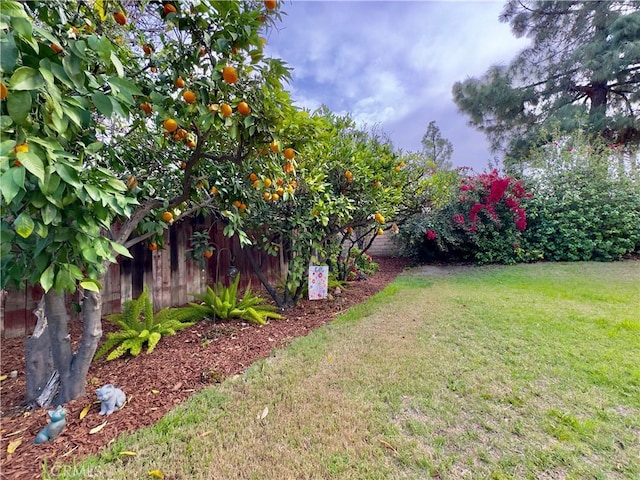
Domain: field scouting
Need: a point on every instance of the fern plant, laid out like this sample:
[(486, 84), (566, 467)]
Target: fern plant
[(139, 325), (222, 302)]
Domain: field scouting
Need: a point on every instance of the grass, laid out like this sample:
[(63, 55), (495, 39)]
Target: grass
[(522, 372)]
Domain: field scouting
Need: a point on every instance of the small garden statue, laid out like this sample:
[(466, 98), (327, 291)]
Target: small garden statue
[(112, 399), (55, 426)]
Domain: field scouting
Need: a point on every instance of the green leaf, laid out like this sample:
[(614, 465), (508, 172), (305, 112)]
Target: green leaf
[(26, 78), (93, 191), (8, 53), (12, 8), (102, 103), (89, 254), (68, 174), (23, 27), (94, 148), (5, 122), (46, 279), (117, 64), (65, 281), (49, 213), (32, 163), (91, 285), (121, 250), (12, 181), (19, 106), (23, 225)]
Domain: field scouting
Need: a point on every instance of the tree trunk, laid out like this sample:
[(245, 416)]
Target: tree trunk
[(258, 271), (91, 334), (54, 374), (39, 362)]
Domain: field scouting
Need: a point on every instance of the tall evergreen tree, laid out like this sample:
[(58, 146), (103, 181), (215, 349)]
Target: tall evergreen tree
[(581, 69), (435, 148)]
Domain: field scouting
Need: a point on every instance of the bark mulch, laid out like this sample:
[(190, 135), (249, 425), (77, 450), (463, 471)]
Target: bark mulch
[(193, 359)]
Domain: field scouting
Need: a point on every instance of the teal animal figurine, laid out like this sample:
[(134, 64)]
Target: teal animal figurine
[(56, 425)]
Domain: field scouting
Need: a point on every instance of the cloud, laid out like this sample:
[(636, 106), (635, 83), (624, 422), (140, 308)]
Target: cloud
[(393, 63)]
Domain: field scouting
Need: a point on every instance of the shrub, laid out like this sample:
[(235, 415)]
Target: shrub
[(482, 223), (356, 264), (587, 201), (222, 302), (139, 325)]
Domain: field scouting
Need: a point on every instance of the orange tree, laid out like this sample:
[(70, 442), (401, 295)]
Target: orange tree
[(114, 123), (333, 180)]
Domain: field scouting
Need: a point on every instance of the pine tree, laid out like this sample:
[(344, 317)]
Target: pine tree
[(582, 69)]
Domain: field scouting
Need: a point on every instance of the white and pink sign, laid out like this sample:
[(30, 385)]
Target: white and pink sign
[(318, 282)]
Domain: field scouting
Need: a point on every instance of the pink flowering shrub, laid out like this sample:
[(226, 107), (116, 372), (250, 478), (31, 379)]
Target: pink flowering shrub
[(482, 222)]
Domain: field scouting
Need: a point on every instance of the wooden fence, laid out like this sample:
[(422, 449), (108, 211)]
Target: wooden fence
[(170, 274)]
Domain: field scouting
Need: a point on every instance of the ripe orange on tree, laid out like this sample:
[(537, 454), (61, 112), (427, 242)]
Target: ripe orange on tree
[(189, 96), (243, 108), (289, 153), (274, 146), (226, 110), (270, 4), (202, 52), (191, 143), (242, 207), (167, 216), (379, 218), (213, 191), (183, 165), (168, 8), (237, 203), (179, 83), (120, 18), (229, 74), (180, 135), (147, 49), (288, 167), (275, 197), (153, 246), (146, 108), (3, 91), (380, 231), (207, 254), (56, 48), (280, 191), (267, 182), (170, 125), (253, 177), (266, 196)]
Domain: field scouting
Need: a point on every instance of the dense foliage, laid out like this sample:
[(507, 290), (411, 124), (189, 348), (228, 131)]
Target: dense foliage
[(576, 198), (586, 201), (482, 222)]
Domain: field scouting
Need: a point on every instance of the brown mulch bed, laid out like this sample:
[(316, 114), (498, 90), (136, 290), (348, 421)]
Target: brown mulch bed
[(193, 359)]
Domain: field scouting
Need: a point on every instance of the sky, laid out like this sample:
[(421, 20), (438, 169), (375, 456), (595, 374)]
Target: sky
[(392, 64)]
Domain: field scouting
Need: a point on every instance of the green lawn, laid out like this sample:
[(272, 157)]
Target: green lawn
[(520, 372)]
